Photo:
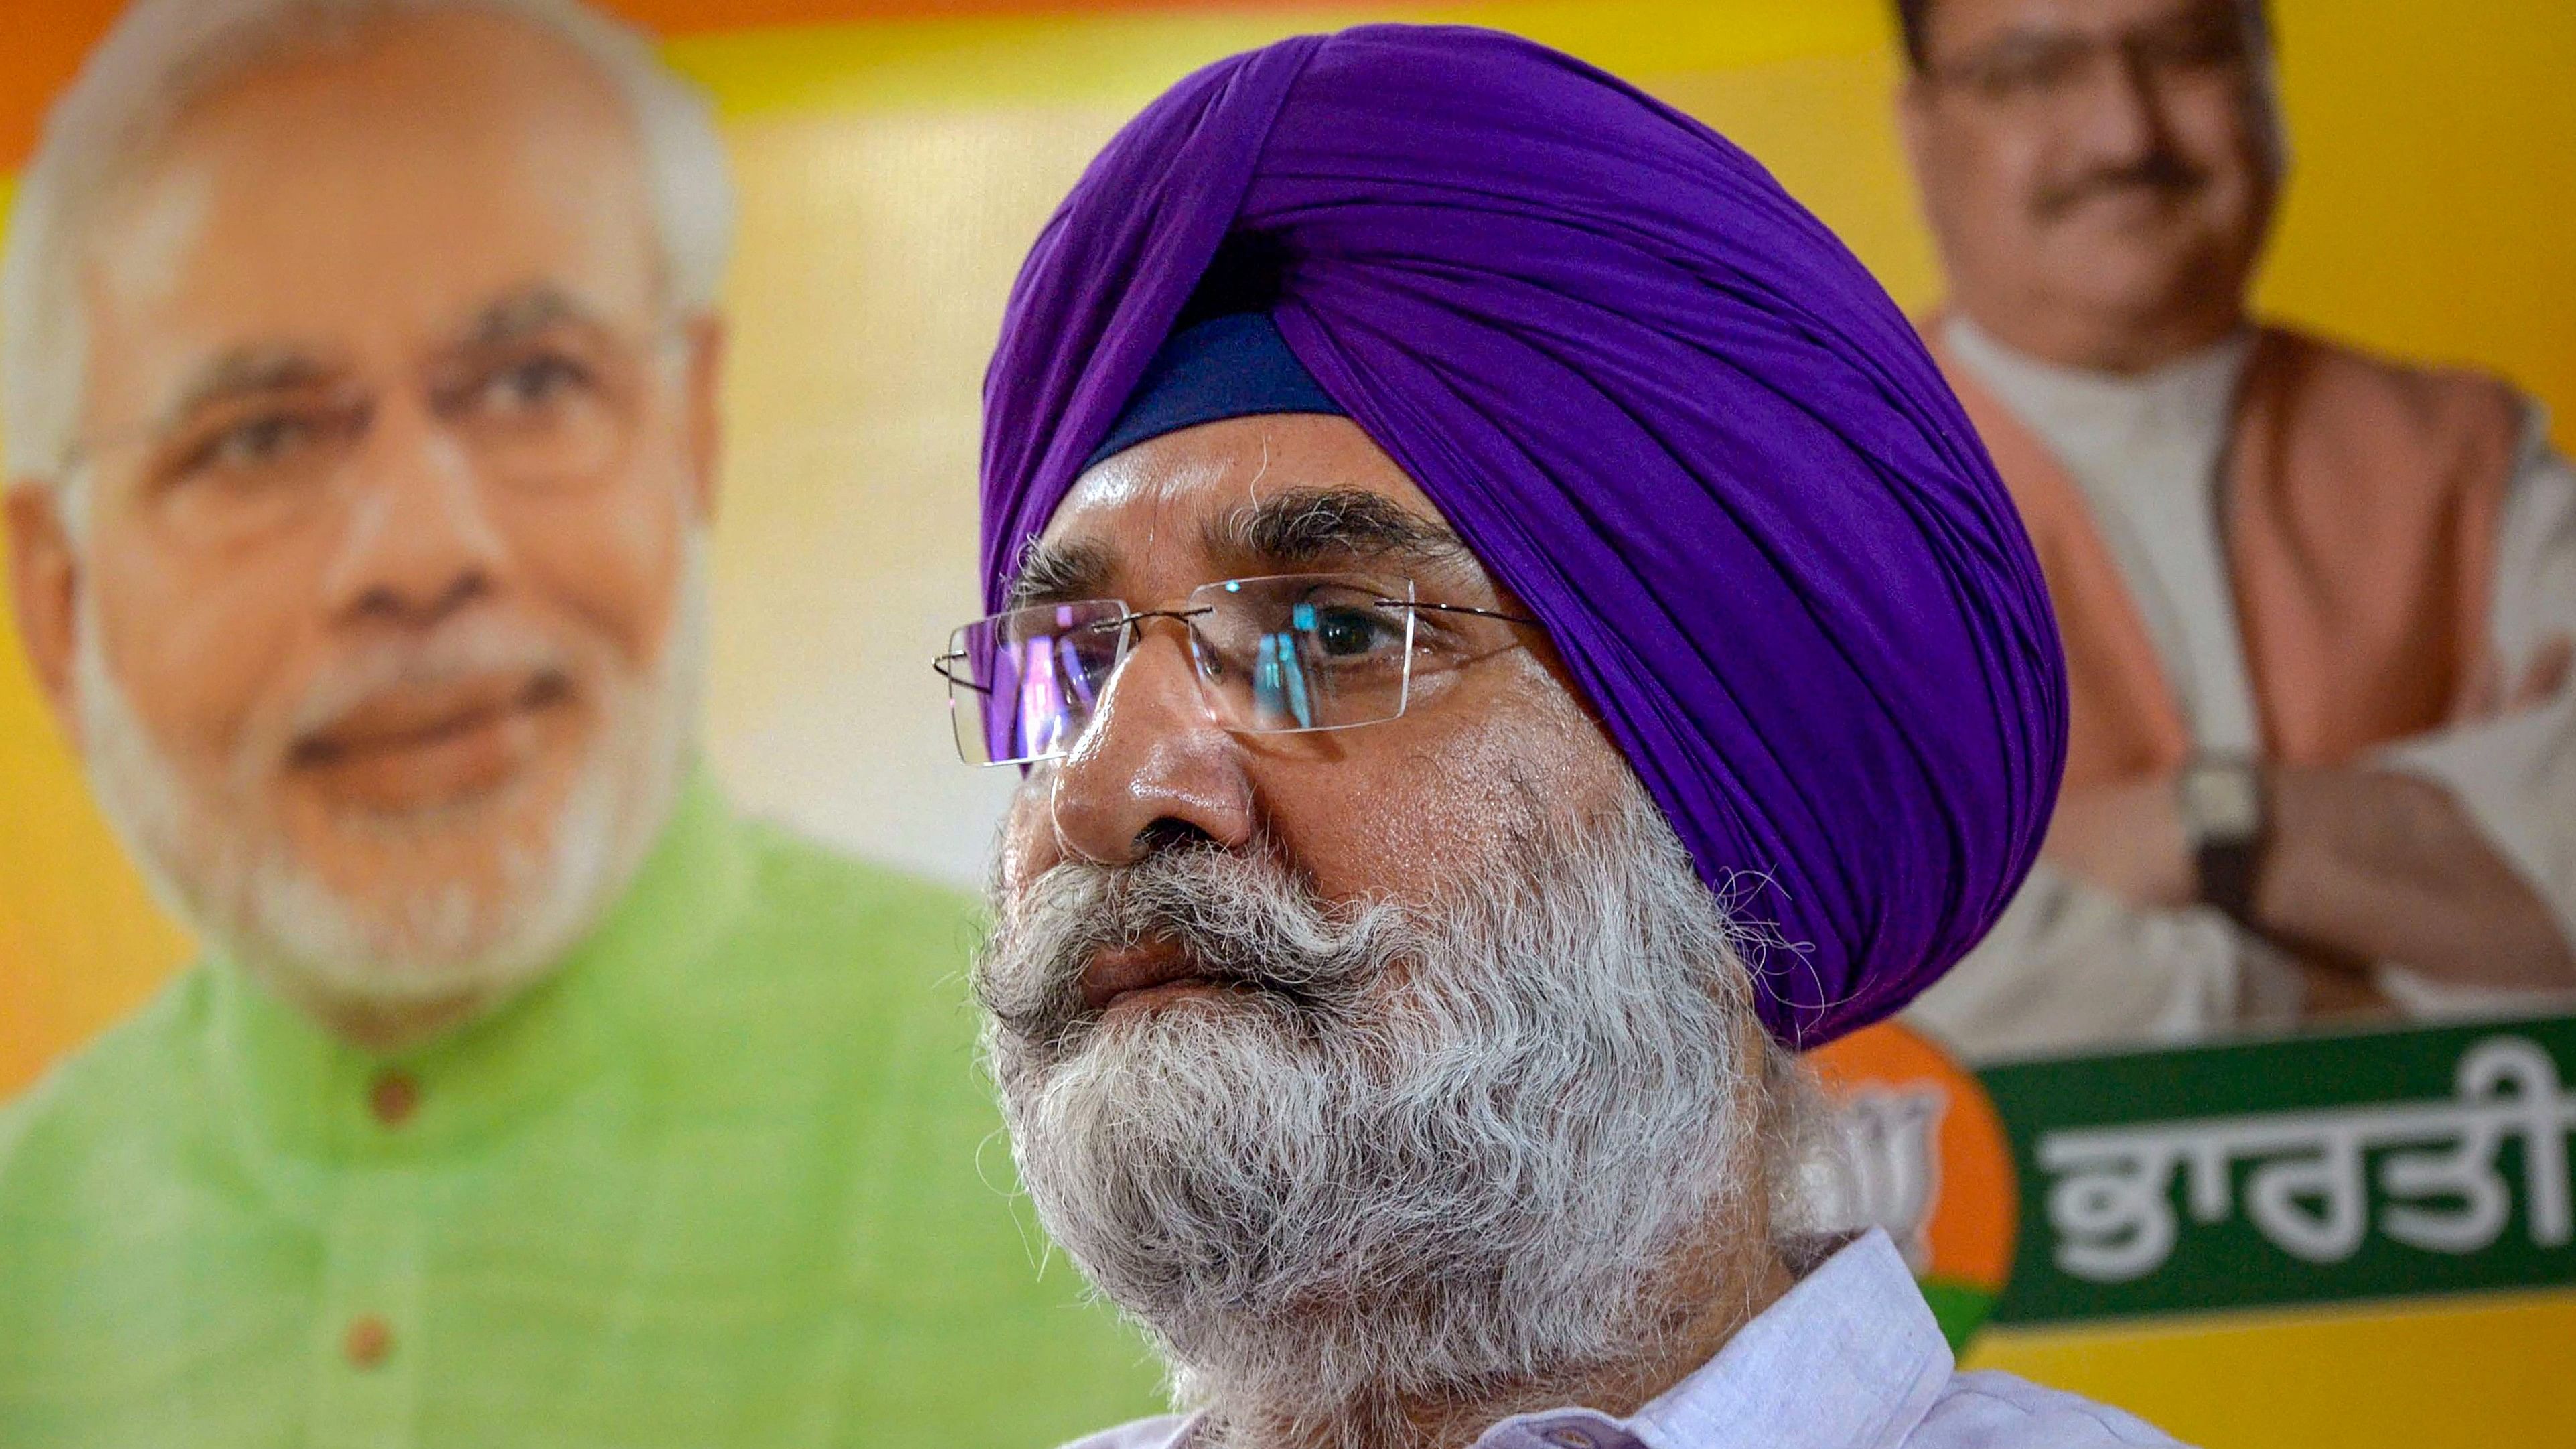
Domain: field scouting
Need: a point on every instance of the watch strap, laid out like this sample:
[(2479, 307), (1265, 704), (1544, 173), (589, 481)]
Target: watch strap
[(2226, 871), (2226, 826)]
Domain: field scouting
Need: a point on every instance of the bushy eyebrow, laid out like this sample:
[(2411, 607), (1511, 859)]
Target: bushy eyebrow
[(525, 313), (1311, 526), (247, 372), (1060, 572)]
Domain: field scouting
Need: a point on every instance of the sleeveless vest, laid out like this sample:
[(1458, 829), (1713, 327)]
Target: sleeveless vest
[(2359, 508)]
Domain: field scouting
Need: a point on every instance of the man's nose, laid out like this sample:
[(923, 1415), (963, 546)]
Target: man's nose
[(1153, 766), (418, 541), (2121, 116)]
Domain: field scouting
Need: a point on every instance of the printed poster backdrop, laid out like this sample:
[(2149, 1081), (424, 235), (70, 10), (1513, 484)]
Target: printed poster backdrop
[(2359, 1240)]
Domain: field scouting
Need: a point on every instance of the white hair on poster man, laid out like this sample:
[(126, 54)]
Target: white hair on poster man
[(165, 55)]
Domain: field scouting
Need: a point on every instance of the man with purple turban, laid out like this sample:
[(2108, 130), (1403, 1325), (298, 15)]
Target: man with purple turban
[(1510, 639)]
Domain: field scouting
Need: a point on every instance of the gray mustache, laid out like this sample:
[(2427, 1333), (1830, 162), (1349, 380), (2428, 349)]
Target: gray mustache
[(1242, 920)]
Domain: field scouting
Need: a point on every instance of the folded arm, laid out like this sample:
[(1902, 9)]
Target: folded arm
[(2380, 866), (2453, 853)]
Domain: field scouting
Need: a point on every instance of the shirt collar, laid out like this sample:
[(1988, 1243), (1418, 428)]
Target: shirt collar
[(1850, 1358), (304, 1093), (2093, 420), (2206, 375)]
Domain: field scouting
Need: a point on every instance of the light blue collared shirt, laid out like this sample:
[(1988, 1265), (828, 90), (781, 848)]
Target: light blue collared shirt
[(1850, 1358)]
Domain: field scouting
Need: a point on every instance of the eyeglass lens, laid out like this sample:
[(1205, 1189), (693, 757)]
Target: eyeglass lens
[(1272, 655)]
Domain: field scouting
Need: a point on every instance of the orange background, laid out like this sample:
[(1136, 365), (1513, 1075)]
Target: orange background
[(1977, 1209)]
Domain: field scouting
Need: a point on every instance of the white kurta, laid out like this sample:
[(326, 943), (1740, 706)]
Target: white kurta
[(2070, 964)]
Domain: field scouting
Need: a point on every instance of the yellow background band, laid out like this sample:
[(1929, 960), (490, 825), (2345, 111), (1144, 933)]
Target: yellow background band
[(2468, 1373)]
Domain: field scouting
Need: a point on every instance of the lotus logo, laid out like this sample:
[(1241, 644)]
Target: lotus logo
[(1881, 1167), (1913, 1147)]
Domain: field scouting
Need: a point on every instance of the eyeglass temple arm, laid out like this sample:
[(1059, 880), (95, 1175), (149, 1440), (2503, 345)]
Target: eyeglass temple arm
[(941, 667), (1458, 609)]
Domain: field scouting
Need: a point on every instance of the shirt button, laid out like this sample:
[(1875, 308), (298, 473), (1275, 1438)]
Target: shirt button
[(370, 1339), (393, 1097)]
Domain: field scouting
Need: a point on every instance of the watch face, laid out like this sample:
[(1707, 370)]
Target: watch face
[(2223, 802)]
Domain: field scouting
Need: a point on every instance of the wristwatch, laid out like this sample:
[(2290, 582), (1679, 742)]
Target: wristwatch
[(2221, 803)]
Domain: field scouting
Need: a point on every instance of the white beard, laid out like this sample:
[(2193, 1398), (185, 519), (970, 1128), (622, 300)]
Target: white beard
[(219, 863), (1446, 1155)]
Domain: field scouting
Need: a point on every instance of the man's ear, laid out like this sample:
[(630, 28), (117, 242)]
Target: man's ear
[(44, 586), (702, 401)]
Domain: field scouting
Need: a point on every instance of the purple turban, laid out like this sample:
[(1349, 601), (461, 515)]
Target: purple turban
[(1665, 407)]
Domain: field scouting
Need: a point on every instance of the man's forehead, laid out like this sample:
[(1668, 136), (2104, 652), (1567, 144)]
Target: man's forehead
[(372, 196), (1966, 24), (1275, 494)]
